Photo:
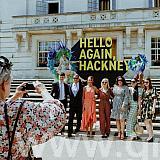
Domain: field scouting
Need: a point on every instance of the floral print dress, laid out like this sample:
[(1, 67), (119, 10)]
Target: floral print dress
[(36, 124), (147, 103), (121, 98)]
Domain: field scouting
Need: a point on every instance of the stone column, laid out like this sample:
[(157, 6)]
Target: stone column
[(128, 37), (18, 40), (79, 33), (27, 40), (69, 39), (140, 37)]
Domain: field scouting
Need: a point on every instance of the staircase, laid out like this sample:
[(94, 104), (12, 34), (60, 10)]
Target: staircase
[(34, 97)]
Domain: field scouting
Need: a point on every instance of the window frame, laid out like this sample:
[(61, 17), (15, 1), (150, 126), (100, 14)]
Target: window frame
[(156, 48), (43, 51), (110, 6), (48, 2), (147, 51), (158, 2)]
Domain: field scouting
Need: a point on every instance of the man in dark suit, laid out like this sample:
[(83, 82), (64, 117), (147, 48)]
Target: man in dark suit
[(60, 91), (76, 92)]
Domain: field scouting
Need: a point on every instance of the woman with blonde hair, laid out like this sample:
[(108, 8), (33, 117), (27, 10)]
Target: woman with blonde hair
[(105, 93), (24, 123)]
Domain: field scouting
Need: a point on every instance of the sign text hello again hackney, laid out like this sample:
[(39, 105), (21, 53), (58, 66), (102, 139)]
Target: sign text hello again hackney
[(96, 55)]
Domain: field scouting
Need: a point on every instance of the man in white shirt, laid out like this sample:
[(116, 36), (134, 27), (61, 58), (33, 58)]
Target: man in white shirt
[(76, 92), (60, 90)]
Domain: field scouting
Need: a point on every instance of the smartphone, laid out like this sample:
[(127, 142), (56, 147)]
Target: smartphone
[(28, 86)]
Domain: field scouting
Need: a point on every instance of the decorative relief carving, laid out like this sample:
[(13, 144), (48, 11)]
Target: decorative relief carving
[(46, 20), (55, 19), (113, 15), (103, 16), (93, 17), (155, 13), (37, 21)]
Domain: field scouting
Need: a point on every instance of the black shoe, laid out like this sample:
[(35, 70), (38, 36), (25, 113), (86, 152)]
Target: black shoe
[(107, 135), (150, 140), (69, 135), (104, 136), (76, 130), (138, 138)]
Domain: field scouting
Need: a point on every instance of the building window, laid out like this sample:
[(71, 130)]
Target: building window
[(43, 49), (155, 51), (156, 3), (104, 5), (53, 8)]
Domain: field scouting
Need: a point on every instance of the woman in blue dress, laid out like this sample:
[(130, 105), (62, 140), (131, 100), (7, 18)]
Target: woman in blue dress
[(120, 105)]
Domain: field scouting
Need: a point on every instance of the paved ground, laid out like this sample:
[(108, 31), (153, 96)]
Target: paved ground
[(96, 148)]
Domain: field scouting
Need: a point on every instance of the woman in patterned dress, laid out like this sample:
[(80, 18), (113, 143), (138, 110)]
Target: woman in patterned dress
[(89, 106), (36, 124), (135, 101), (120, 105), (105, 93), (149, 97)]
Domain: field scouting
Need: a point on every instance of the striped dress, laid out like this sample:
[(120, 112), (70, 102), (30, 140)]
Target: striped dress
[(132, 117)]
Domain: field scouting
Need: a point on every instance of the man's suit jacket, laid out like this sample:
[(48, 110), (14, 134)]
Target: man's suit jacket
[(55, 91), (76, 101)]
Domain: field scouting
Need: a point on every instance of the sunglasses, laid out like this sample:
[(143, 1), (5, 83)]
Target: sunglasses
[(146, 82), (133, 81), (104, 82)]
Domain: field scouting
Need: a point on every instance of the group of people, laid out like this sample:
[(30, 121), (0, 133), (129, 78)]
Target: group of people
[(127, 104), (25, 123)]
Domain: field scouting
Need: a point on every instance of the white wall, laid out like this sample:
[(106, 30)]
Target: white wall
[(125, 4), (9, 8), (75, 5), (32, 7)]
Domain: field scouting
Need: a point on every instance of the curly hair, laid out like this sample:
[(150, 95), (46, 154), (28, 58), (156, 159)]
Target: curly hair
[(5, 69)]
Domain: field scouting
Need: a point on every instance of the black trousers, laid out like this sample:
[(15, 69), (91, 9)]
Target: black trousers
[(64, 102), (72, 113)]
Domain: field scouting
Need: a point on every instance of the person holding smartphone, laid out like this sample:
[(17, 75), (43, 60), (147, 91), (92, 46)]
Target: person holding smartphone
[(24, 123)]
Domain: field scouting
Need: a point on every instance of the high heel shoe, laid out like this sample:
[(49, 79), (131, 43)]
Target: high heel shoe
[(88, 134), (150, 140), (122, 136), (119, 135)]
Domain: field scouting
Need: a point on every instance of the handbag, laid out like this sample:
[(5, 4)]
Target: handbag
[(138, 129)]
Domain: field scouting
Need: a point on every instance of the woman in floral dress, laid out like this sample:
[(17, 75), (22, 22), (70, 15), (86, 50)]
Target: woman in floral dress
[(149, 97), (120, 105), (36, 124)]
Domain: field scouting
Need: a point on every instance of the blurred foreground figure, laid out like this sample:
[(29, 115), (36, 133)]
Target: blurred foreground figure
[(23, 123)]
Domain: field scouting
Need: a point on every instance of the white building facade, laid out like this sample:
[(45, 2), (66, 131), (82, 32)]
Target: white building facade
[(29, 27)]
